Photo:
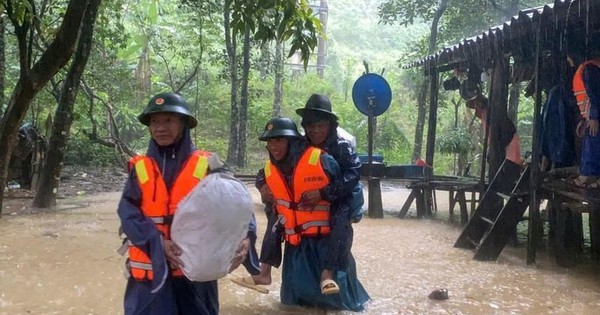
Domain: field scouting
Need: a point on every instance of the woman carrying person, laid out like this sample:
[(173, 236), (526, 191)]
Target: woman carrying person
[(301, 183)]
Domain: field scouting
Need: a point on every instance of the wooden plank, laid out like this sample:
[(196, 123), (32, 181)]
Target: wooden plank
[(462, 201), (407, 203)]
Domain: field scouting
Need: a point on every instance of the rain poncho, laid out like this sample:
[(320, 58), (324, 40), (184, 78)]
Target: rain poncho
[(590, 145), (164, 295), (348, 186), (557, 132)]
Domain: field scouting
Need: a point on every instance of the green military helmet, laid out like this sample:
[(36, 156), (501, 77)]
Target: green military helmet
[(168, 103), (279, 127)]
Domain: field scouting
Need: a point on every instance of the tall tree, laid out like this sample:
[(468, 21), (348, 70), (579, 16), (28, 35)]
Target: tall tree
[(244, 101), (231, 48), (278, 81), (63, 117), (2, 60), (264, 20), (33, 78), (390, 12)]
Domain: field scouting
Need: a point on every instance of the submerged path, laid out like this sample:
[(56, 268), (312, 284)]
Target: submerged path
[(65, 263)]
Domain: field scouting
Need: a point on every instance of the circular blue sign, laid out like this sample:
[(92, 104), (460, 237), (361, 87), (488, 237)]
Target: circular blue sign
[(371, 91)]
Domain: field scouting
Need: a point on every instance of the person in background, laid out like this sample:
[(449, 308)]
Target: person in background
[(157, 181), (509, 137), (586, 87), (304, 214)]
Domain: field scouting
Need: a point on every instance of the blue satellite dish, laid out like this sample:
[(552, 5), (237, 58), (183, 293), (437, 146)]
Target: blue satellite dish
[(371, 91)]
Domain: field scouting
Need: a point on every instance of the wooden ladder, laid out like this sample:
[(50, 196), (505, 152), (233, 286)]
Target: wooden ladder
[(498, 213)]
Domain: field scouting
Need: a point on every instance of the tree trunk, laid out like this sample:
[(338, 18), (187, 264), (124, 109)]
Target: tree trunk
[(244, 101), (321, 43), (2, 63), (32, 80), (265, 60), (421, 111), (143, 74), (63, 118), (422, 103), (278, 88), (230, 44)]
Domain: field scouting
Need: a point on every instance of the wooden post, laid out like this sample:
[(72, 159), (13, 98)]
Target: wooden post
[(594, 222), (375, 204), (534, 211), (431, 129), (432, 123)]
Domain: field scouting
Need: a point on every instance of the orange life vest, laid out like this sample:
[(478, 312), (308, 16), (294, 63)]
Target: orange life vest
[(308, 175), (583, 101), (159, 205)]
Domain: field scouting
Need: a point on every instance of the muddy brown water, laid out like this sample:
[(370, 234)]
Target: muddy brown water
[(65, 263)]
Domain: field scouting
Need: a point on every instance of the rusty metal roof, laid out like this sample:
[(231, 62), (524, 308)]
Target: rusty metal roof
[(517, 37)]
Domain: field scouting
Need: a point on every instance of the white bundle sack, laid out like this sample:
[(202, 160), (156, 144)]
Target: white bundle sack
[(209, 224)]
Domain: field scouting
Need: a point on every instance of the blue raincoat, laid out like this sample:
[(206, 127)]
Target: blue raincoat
[(590, 145), (557, 133), (166, 295)]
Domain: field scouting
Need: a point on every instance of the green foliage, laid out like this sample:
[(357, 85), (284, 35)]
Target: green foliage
[(20, 11), (454, 140), (80, 152), (283, 20), (182, 37), (405, 12)]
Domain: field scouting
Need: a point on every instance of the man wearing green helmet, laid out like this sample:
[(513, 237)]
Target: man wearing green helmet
[(157, 181)]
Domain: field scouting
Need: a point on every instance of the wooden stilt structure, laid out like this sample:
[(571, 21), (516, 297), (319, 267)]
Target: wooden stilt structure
[(555, 29)]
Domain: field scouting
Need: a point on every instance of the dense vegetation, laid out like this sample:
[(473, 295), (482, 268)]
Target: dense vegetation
[(142, 47)]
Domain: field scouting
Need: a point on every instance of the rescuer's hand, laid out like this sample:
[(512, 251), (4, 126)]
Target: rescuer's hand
[(240, 254), (309, 199), (173, 251), (593, 125), (265, 194)]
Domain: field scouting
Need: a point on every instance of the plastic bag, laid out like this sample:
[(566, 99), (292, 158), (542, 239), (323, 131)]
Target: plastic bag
[(209, 224)]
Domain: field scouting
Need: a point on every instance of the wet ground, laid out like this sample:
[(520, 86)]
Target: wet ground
[(65, 262)]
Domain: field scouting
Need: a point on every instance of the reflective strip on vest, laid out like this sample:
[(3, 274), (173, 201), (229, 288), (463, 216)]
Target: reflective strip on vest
[(287, 204), (281, 202), (314, 157), (157, 220), (308, 225), (141, 172), (140, 265), (201, 167)]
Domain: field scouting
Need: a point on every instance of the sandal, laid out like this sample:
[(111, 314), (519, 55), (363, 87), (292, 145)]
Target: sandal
[(594, 185), (586, 182), (249, 283), (329, 286)]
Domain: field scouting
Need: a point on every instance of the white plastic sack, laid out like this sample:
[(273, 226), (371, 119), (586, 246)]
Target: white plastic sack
[(209, 224)]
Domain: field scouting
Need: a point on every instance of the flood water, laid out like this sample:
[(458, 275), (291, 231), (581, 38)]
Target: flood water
[(65, 263)]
